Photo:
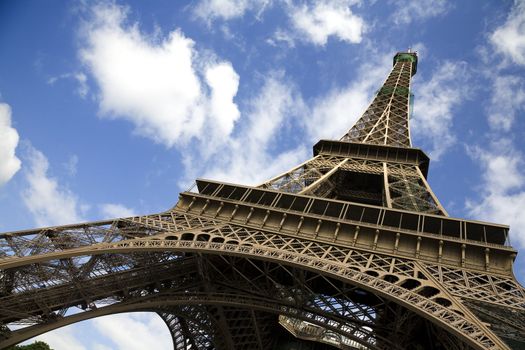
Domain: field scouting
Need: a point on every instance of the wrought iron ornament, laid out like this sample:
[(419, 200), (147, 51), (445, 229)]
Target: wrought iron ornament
[(349, 250)]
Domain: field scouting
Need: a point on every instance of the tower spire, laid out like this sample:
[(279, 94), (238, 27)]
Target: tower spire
[(386, 120), (374, 162)]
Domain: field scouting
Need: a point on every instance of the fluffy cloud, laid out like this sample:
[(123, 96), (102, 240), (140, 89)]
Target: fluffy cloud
[(509, 38), (501, 166), (228, 9), (9, 163), (502, 163), (248, 158), (317, 22), (508, 97), (48, 202), (313, 21), (61, 339), (223, 82), (156, 83), (434, 102), (502, 208), (113, 210), (339, 109), (134, 331), (129, 331), (502, 188), (409, 11)]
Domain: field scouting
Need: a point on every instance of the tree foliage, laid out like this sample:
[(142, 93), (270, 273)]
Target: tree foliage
[(38, 345)]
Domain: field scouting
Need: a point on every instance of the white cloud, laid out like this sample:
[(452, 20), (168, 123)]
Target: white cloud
[(313, 21), (100, 347), (135, 331), (409, 11), (249, 157), (502, 188), (501, 165), (340, 108), (508, 97), (128, 331), (434, 102), (317, 22), (113, 210), (509, 38), (155, 83), (48, 202), (61, 339), (9, 162), (224, 83), (228, 9)]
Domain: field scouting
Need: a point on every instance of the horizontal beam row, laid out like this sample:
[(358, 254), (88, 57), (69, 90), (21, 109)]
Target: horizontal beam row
[(431, 238), (374, 152)]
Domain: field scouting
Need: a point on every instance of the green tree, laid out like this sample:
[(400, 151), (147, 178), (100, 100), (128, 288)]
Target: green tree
[(38, 345)]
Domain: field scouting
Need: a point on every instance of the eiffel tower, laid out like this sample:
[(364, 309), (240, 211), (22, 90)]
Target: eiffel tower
[(349, 250)]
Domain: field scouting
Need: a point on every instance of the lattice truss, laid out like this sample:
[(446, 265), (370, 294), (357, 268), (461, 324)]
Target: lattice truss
[(385, 122), (224, 286), (220, 283), (329, 176)]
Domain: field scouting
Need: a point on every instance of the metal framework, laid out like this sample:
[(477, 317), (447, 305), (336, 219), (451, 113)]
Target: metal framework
[(349, 250)]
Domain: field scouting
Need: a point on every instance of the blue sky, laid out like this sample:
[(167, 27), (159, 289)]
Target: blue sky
[(112, 108)]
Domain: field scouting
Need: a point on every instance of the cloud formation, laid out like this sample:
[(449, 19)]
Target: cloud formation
[(49, 202), (509, 38), (421, 10), (508, 98), (502, 162), (318, 21), (9, 162), (127, 331), (435, 100), (309, 21), (249, 156), (115, 210), (61, 339), (157, 83), (133, 331), (340, 108), (502, 188), (210, 10)]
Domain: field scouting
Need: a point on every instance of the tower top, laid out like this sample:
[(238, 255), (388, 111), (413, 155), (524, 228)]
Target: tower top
[(386, 120), (408, 56)]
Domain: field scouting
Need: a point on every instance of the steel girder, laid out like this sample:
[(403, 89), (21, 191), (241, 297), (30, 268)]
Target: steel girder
[(386, 121), (398, 281)]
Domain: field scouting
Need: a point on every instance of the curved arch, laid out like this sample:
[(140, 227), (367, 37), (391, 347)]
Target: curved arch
[(437, 312), (162, 302)]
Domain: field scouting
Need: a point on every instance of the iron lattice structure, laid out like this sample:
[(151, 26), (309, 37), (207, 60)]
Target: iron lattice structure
[(349, 250)]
